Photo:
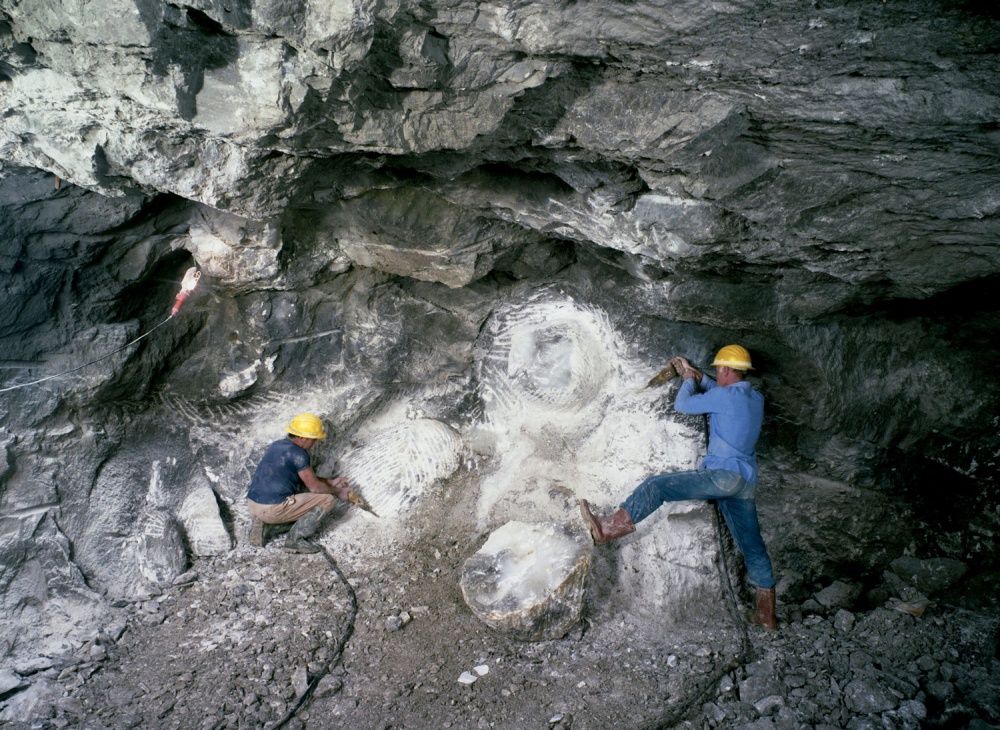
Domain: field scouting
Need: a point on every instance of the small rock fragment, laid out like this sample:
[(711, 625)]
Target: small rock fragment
[(843, 620), (769, 705), (811, 607), (188, 577), (869, 697), (940, 691), (300, 681), (931, 575), (838, 595), (9, 681), (327, 686)]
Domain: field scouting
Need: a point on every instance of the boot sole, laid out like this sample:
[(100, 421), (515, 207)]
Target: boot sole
[(592, 526), (302, 549)]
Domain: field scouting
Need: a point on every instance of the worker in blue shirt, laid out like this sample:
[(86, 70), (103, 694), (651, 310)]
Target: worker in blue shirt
[(728, 472), (285, 488)]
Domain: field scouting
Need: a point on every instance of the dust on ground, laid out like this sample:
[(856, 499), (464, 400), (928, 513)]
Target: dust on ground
[(241, 638)]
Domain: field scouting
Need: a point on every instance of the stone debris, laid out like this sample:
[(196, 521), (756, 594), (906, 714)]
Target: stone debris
[(867, 696), (240, 645), (300, 681), (185, 578), (843, 620), (838, 595), (9, 681)]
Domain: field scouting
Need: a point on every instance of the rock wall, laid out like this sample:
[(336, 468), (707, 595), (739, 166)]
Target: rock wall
[(467, 234)]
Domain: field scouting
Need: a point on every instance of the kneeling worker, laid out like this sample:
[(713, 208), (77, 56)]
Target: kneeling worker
[(285, 488)]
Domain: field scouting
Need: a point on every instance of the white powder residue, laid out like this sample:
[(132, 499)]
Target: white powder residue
[(564, 409), (393, 468), (531, 560)]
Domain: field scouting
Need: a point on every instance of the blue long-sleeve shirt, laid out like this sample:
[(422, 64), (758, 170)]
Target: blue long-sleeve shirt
[(735, 414)]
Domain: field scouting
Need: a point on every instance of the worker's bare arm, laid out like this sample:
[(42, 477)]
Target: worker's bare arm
[(337, 486)]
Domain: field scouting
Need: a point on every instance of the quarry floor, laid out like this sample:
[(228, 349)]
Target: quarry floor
[(237, 642), (223, 650)]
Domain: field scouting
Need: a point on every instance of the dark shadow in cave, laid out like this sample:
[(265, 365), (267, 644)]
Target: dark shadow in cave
[(942, 498)]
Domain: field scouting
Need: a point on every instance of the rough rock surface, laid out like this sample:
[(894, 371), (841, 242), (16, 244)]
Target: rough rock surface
[(528, 581), (238, 640), (467, 234)]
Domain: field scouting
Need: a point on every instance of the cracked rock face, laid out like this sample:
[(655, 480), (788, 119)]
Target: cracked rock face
[(466, 235)]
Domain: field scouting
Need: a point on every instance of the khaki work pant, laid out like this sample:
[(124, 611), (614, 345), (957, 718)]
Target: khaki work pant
[(291, 509)]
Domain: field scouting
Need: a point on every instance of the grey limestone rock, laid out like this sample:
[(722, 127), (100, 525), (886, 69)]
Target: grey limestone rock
[(929, 575), (38, 702), (838, 595), (844, 620), (9, 681), (868, 696), (761, 682), (203, 528), (160, 552)]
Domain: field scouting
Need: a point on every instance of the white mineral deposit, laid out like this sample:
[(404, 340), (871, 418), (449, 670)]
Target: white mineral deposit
[(528, 580)]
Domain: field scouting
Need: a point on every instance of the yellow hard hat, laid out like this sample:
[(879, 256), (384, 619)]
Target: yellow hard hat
[(733, 356), (307, 426)]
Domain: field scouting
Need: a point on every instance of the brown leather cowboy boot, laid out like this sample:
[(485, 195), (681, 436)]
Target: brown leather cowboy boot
[(764, 615), (606, 529)]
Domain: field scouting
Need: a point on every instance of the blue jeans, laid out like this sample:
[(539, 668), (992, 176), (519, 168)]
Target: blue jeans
[(732, 493)]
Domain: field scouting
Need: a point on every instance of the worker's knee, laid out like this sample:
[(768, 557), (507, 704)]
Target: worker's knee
[(327, 502)]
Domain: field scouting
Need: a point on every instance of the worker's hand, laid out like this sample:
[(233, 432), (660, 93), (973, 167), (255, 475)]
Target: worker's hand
[(685, 369), (339, 487)]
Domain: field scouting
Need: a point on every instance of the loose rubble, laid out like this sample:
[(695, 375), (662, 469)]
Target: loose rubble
[(236, 641)]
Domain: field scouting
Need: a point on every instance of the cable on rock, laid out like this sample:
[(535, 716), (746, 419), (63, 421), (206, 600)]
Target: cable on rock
[(338, 650), (188, 284), (87, 364)]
